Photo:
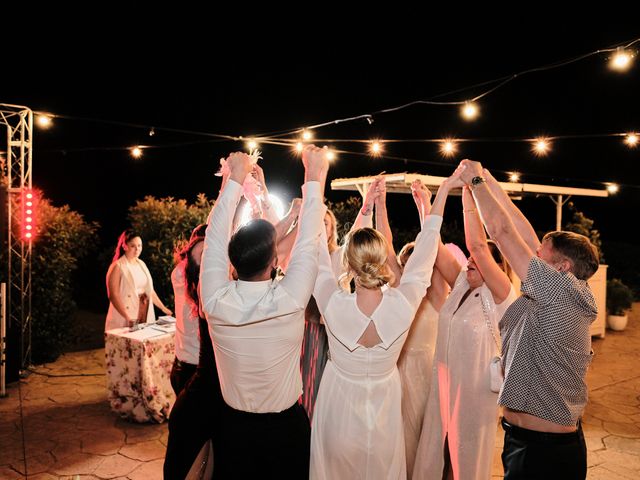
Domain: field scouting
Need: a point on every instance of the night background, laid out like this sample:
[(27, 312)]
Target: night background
[(137, 77)]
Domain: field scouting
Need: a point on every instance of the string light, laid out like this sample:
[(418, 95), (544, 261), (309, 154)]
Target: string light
[(514, 177), (470, 111), (136, 152), (631, 140), (613, 188), (307, 135), (252, 145), (621, 60), (331, 155), (44, 121), (448, 148), (299, 147), (375, 148), (541, 146)]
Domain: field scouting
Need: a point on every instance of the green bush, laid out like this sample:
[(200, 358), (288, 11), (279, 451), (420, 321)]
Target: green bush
[(584, 226), (64, 239), (163, 224), (619, 297)]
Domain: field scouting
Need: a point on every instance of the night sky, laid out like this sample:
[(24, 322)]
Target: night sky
[(149, 75)]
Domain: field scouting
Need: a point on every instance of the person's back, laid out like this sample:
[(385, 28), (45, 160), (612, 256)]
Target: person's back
[(256, 324), (357, 429)]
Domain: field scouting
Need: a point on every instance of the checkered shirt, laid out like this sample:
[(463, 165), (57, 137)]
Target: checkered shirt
[(546, 345)]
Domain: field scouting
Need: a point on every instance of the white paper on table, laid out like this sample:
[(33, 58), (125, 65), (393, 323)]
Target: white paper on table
[(170, 328), (143, 334), (165, 319)]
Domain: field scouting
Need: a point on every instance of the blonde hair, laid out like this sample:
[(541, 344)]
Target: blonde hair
[(332, 241), (405, 253), (365, 253)]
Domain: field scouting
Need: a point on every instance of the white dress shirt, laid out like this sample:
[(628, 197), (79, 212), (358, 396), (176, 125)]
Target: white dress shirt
[(187, 334), (257, 327)]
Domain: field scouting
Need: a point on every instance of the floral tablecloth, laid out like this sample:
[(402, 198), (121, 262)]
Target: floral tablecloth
[(138, 369)]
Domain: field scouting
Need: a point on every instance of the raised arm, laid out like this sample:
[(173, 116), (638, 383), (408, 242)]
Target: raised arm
[(382, 225), (269, 213), (214, 270), (287, 236), (417, 272), (497, 221), (283, 226), (476, 240), (303, 266), (422, 198), (364, 218), (521, 223)]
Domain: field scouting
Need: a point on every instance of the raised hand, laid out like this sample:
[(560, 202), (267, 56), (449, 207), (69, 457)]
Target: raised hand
[(455, 180), (421, 194), (294, 209), (381, 189), (258, 174), (315, 163), (240, 166), (371, 196), (471, 169)]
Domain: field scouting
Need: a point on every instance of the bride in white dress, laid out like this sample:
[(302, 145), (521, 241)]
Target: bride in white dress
[(357, 429)]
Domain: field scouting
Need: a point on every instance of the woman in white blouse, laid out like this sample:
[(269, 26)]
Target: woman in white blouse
[(357, 426), (129, 286)]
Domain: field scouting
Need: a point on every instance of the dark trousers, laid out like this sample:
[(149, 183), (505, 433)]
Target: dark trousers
[(264, 445), (194, 419), (181, 372), (528, 454)]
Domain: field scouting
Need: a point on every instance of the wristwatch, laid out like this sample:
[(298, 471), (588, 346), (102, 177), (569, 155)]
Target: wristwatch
[(475, 181)]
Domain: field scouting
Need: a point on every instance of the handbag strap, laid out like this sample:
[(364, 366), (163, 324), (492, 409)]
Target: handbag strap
[(489, 326)]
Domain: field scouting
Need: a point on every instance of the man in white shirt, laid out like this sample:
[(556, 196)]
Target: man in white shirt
[(256, 324)]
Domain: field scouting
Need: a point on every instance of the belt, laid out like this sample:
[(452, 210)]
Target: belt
[(179, 363), (535, 436)]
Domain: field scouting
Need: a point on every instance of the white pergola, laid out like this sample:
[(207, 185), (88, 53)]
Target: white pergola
[(401, 183)]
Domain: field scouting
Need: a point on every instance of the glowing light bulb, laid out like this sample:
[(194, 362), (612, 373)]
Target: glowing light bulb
[(470, 111), (44, 121), (307, 135), (252, 145), (376, 148), (514, 177), (613, 188), (541, 146), (299, 147), (136, 152), (631, 140), (621, 60), (448, 148), (331, 155)]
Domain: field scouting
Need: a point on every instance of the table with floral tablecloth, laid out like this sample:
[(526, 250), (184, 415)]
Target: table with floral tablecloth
[(138, 369)]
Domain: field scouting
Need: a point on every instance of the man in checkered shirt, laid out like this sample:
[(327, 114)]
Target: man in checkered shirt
[(546, 345)]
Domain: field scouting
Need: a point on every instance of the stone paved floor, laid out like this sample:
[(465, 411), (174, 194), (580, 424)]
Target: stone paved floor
[(60, 427)]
